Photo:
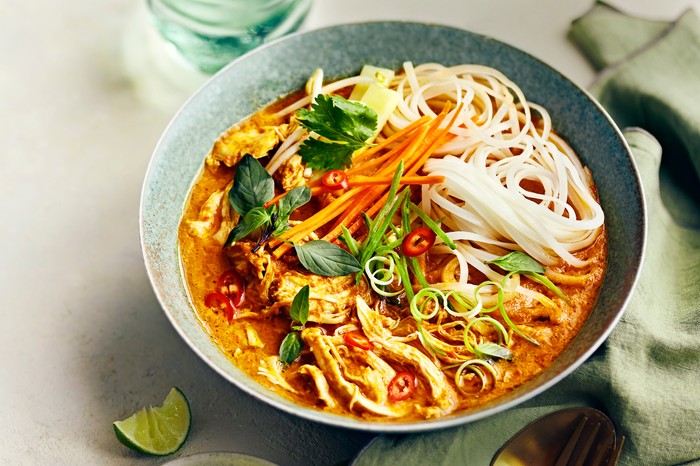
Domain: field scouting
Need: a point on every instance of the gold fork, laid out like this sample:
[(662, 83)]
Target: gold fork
[(570, 437), (579, 449)]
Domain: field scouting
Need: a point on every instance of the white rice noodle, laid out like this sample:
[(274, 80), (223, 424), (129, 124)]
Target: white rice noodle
[(510, 184), (288, 148), (327, 89)]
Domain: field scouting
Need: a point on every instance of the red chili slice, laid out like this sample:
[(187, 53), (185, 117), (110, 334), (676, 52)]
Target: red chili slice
[(335, 179), (231, 284), (220, 302), (358, 340), (418, 242), (402, 386)]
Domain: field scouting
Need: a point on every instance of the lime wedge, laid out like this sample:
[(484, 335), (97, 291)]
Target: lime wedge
[(157, 431)]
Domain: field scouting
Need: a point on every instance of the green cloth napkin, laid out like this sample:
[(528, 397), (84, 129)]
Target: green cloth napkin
[(647, 374)]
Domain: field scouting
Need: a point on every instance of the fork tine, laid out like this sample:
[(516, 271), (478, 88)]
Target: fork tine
[(568, 450), (616, 454), (586, 443)]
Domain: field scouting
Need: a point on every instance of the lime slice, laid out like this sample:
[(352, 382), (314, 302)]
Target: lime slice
[(157, 431)]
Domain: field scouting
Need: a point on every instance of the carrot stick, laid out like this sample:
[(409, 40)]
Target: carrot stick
[(386, 180), (368, 153), (379, 160), (436, 142), (389, 169)]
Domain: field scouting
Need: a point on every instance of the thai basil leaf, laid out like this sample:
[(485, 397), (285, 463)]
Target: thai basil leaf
[(294, 199), (326, 259), (518, 262), (490, 350), (252, 186), (299, 311), (255, 218), (290, 349)]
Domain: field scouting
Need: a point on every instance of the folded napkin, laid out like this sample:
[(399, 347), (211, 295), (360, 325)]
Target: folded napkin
[(647, 374)]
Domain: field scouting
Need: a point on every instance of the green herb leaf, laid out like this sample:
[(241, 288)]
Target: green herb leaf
[(491, 350), (339, 119), (345, 125), (255, 218), (252, 186), (518, 262), (294, 199), (326, 259), (290, 349), (299, 311), (324, 155)]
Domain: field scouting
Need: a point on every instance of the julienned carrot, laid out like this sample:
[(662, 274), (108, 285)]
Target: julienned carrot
[(432, 144), (362, 204), (369, 152), (436, 142), (364, 198), (318, 219), (358, 202), (379, 161), (386, 180)]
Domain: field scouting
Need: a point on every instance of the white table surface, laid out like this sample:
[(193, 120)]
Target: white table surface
[(84, 342)]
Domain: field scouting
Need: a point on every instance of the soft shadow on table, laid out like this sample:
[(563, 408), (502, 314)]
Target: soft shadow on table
[(134, 353), (141, 357)]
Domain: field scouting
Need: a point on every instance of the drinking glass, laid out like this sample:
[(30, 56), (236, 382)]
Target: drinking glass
[(208, 34)]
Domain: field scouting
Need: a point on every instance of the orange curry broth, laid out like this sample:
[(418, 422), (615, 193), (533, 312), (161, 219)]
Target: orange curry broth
[(203, 261)]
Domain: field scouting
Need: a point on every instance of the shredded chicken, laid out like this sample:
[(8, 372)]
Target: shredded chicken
[(271, 368), (387, 347), (330, 362), (291, 173), (330, 301), (323, 390), (257, 141)]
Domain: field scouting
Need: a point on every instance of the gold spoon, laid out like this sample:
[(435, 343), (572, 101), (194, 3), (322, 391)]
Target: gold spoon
[(574, 436)]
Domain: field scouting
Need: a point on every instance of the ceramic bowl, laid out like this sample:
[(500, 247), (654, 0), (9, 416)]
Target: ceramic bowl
[(273, 70)]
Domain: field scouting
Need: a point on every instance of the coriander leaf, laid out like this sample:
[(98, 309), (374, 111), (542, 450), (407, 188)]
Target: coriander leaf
[(345, 126), (518, 262), (252, 186), (299, 311), (326, 259), (294, 199), (322, 155), (290, 348), (339, 119), (490, 350), (255, 218)]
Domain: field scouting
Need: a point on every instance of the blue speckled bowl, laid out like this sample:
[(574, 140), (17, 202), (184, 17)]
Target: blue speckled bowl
[(280, 67)]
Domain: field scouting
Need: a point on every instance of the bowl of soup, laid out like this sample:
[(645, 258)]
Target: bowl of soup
[(391, 226)]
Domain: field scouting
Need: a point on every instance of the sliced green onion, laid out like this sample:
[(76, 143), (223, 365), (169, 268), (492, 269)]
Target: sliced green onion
[(350, 242), (471, 366), (430, 223)]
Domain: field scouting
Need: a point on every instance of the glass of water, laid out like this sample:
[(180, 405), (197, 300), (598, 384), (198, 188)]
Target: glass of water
[(208, 34)]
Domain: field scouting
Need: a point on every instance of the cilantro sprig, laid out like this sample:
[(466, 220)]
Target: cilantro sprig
[(344, 127)]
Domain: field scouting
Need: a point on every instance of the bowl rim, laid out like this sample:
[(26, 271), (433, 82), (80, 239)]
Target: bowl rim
[(456, 419)]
